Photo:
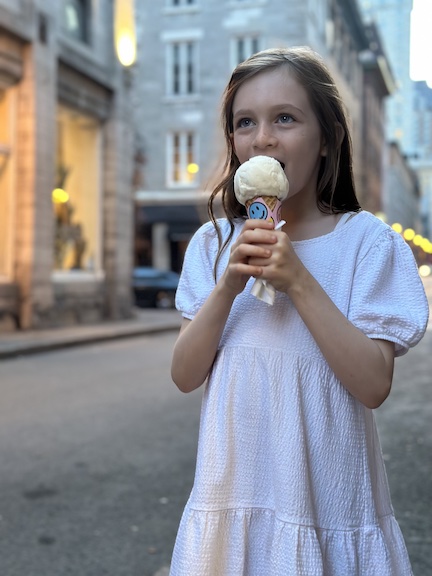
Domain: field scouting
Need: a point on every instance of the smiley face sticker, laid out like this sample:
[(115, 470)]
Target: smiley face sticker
[(258, 211)]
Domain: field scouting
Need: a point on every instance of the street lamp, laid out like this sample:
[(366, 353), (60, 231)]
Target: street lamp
[(125, 32)]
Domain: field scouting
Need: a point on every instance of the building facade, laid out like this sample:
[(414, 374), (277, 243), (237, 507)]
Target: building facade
[(392, 18), (187, 50), (65, 164), (421, 161), (401, 192), (408, 108)]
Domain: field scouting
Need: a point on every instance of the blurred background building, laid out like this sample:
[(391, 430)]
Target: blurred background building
[(187, 50), (110, 144), (65, 164), (408, 114)]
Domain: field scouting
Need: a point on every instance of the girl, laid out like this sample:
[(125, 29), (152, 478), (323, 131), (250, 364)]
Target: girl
[(290, 480)]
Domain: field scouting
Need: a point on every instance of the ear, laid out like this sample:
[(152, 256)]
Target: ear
[(323, 150)]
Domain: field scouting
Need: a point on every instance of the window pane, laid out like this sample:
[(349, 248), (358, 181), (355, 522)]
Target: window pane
[(6, 181), (190, 69), (184, 168), (255, 46), (176, 69), (240, 50), (76, 197), (76, 16), (176, 158)]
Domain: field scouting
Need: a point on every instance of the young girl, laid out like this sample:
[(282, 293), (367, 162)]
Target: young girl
[(290, 479)]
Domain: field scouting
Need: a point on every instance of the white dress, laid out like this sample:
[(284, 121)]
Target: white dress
[(290, 479)]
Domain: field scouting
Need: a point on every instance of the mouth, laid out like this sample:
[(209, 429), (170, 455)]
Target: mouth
[(282, 164)]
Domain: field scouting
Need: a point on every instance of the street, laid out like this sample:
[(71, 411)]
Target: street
[(97, 454), (97, 457)]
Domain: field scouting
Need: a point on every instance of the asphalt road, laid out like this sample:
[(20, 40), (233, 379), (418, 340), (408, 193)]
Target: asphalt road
[(97, 452)]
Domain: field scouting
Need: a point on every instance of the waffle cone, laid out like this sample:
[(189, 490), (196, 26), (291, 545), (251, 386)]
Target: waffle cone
[(270, 201)]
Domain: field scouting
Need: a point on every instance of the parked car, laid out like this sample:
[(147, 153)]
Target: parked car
[(154, 288)]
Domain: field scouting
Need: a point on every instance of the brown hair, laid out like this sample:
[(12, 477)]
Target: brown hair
[(335, 188)]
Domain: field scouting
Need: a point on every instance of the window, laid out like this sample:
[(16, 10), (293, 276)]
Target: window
[(7, 184), (242, 47), (76, 18), (182, 159), (182, 68), (76, 195)]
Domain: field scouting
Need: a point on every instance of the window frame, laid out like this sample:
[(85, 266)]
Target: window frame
[(182, 77), (84, 14), (187, 152), (248, 39)]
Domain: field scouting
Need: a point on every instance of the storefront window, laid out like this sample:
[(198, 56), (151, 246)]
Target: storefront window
[(76, 197), (6, 181)]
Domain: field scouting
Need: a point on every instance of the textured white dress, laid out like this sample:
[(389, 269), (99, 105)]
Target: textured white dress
[(290, 479)]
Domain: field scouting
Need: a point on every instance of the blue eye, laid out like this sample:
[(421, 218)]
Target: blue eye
[(244, 123), (286, 119)]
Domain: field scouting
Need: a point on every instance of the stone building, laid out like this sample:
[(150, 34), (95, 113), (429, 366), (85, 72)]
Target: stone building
[(187, 50), (378, 84), (401, 189), (65, 164)]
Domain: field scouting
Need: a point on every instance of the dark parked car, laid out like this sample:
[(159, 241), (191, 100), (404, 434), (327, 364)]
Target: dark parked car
[(154, 288)]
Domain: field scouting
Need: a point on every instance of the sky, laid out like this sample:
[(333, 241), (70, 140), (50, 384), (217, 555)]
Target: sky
[(421, 41)]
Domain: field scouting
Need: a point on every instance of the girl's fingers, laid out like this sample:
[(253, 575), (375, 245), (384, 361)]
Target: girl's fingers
[(243, 251)]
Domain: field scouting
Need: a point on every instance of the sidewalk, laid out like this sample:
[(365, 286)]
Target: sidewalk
[(145, 321)]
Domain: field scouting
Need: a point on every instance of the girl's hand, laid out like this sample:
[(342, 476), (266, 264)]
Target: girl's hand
[(249, 254), (282, 268)]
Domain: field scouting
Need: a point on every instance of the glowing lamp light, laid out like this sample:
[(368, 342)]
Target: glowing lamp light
[(193, 168), (426, 246), (126, 48), (59, 196), (397, 227), (124, 32), (425, 270), (409, 234), (417, 240)]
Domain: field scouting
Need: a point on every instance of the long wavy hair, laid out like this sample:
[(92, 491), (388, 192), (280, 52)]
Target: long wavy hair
[(335, 186)]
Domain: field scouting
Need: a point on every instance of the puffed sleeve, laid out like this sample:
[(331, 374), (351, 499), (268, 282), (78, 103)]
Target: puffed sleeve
[(196, 279), (388, 299)]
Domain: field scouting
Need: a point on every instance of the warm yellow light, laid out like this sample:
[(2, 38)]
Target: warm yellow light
[(426, 245), (126, 48), (425, 270), (124, 32), (417, 240), (397, 227), (59, 196), (381, 216), (193, 168), (409, 234)]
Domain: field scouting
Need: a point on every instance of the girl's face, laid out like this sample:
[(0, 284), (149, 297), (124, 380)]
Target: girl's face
[(272, 116)]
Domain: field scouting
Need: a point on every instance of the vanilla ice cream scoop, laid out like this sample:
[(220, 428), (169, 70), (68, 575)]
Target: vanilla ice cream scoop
[(260, 176)]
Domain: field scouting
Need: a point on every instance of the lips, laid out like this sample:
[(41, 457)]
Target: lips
[(280, 162)]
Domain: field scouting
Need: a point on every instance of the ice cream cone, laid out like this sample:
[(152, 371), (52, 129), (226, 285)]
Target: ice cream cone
[(270, 201), (260, 184), (264, 208)]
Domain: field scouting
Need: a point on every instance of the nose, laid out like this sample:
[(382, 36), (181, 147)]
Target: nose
[(264, 137)]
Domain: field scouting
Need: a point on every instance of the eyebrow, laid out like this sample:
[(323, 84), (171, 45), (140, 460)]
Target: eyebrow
[(277, 108)]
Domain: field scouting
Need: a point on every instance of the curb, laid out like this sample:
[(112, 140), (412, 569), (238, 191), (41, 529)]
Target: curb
[(96, 334)]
